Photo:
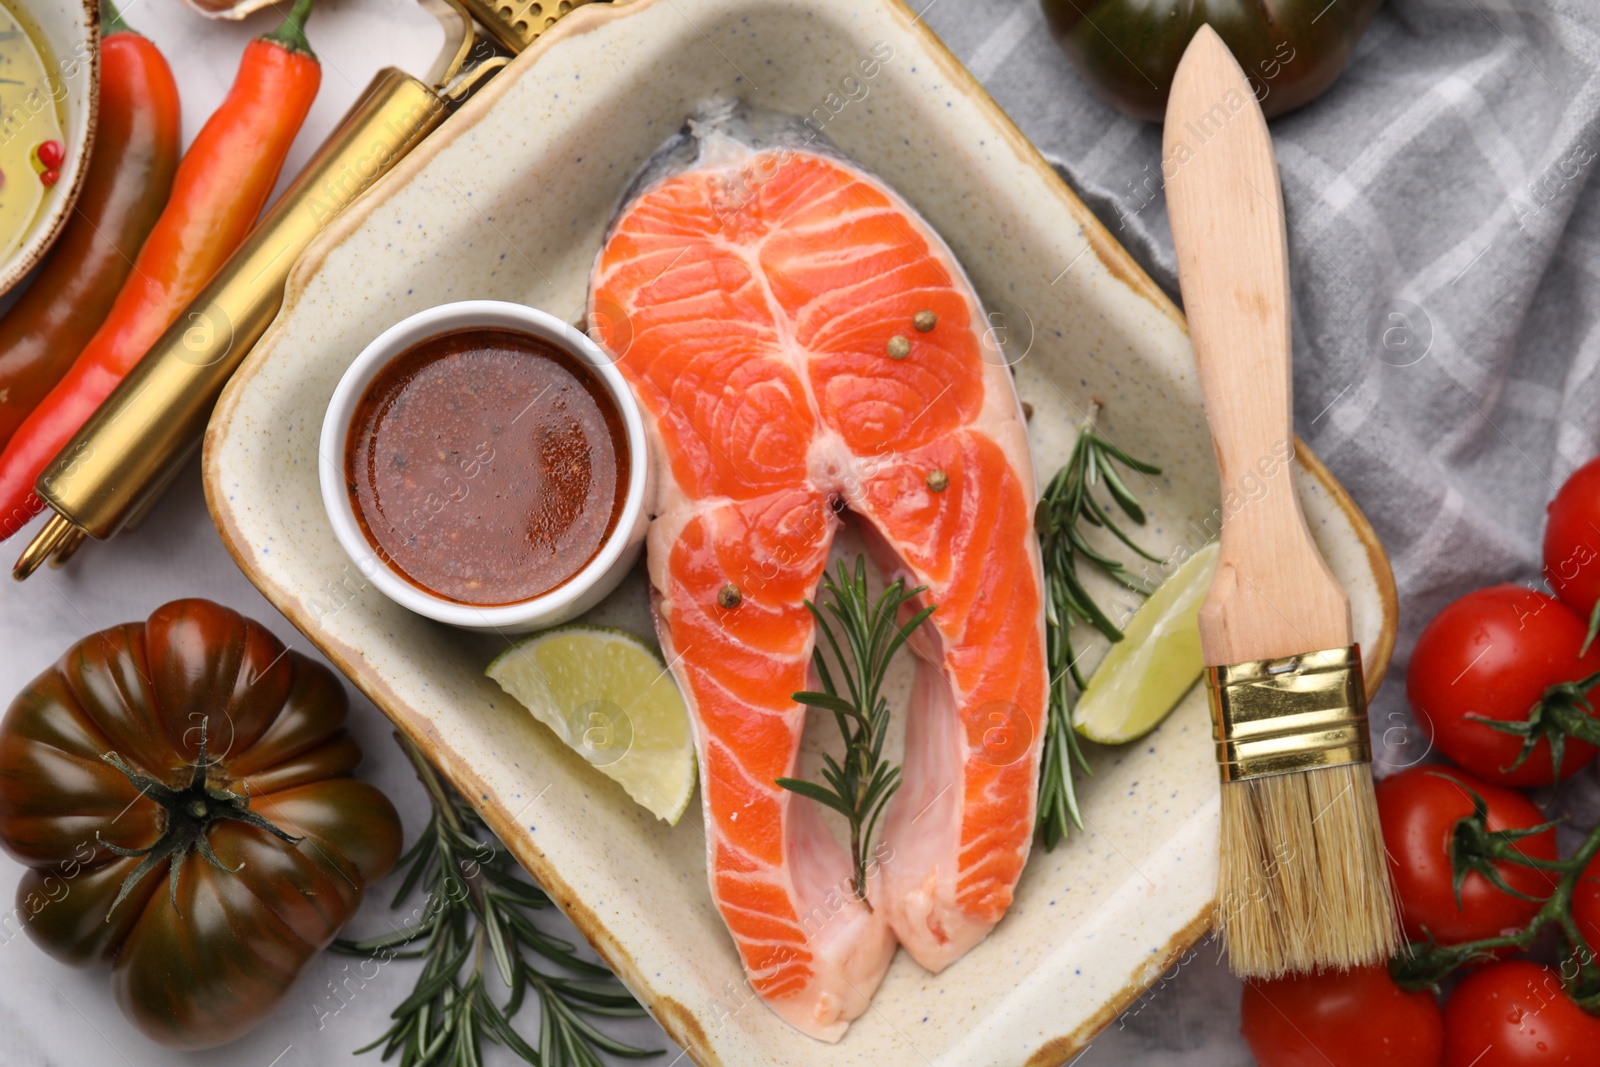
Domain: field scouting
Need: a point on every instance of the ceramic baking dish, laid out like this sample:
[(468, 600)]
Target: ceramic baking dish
[(509, 201)]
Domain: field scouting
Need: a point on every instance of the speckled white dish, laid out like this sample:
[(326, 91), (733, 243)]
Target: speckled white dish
[(509, 201)]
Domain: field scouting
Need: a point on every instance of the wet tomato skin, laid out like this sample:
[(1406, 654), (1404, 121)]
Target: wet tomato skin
[(1493, 653), (1340, 1019), (1418, 810), (1586, 905), (1572, 540), (1516, 1014)]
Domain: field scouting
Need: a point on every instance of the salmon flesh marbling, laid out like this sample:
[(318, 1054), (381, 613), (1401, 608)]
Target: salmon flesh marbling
[(759, 292)]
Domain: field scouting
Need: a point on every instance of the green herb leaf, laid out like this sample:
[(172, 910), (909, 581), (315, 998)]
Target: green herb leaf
[(821, 794), (1065, 509), (476, 910), (860, 785)]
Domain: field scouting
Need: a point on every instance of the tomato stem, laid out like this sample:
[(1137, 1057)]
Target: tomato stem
[(191, 811), (1563, 711), (1474, 848), (1427, 963)]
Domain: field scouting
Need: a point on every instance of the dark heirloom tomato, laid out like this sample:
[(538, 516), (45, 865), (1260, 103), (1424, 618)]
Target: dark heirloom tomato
[(1128, 50), (196, 685)]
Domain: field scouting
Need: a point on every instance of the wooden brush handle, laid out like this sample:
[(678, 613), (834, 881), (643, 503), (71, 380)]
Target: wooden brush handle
[(1273, 595)]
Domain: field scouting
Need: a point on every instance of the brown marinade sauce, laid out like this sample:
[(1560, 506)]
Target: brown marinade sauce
[(487, 466)]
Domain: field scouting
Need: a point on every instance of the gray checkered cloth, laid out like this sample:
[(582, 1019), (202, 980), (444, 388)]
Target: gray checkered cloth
[(1444, 244)]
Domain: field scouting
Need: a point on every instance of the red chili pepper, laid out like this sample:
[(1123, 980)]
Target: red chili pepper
[(221, 186), (130, 174)]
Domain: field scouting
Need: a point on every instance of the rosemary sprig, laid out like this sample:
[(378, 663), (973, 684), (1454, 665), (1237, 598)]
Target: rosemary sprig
[(478, 907), (1062, 517), (859, 786)]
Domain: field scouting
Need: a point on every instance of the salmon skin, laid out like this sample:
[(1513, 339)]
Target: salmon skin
[(758, 291)]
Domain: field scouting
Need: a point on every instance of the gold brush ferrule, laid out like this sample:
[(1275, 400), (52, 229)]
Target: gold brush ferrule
[(1281, 716)]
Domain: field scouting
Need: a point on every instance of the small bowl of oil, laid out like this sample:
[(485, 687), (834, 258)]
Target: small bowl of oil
[(49, 87)]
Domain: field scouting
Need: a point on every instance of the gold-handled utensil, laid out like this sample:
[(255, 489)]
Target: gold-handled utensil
[(1303, 883), (116, 467)]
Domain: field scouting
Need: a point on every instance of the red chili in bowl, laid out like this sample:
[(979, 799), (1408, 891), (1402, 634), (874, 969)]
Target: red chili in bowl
[(487, 466)]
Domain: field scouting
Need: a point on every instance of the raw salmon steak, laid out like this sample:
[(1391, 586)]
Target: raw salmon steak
[(759, 293)]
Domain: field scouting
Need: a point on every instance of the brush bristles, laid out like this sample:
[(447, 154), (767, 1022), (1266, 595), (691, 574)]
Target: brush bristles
[(1303, 883)]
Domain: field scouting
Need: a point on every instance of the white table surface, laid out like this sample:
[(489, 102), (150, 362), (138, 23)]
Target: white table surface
[(51, 1014)]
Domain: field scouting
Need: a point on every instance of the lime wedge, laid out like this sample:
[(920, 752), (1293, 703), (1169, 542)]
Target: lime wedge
[(1158, 659), (609, 697)]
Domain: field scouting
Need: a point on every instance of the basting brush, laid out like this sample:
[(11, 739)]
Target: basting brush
[(1302, 881)]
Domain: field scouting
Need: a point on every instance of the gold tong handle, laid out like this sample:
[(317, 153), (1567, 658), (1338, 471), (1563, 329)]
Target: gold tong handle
[(119, 463), (127, 452), (518, 23), (1273, 596)]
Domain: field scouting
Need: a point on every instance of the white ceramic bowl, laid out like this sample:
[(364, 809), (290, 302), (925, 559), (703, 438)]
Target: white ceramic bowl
[(68, 34), (574, 597)]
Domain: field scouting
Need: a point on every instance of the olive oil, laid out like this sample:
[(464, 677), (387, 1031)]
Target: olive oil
[(32, 115)]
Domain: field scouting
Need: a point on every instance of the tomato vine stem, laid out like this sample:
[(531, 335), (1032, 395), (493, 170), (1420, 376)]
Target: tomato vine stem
[(1427, 963), (190, 811), (1563, 711)]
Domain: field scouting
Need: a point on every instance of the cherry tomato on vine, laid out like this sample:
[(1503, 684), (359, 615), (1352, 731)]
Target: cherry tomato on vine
[(1572, 541), (1515, 1014), (1495, 654), (1419, 810), (1340, 1019), (1586, 906)]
